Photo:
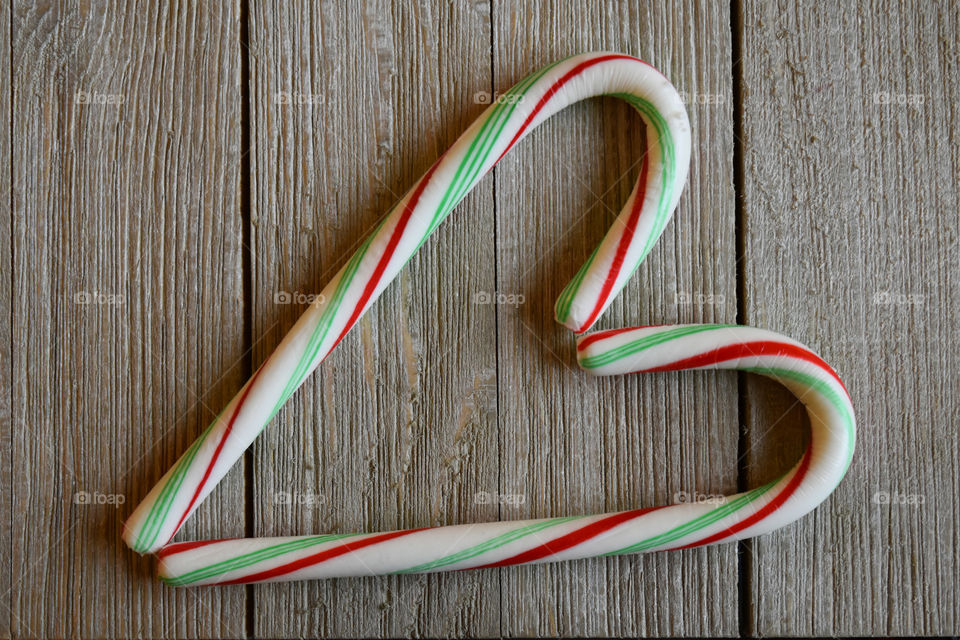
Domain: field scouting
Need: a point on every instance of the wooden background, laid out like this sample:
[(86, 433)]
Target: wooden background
[(170, 172)]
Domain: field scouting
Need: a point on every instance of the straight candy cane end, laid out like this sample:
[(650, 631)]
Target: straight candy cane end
[(132, 533)]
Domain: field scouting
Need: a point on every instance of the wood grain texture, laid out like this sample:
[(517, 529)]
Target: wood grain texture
[(573, 444), (851, 245), (6, 306), (127, 308), (121, 174), (351, 103)]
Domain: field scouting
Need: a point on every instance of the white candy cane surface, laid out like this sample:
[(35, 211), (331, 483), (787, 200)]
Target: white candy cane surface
[(496, 544), (381, 257)]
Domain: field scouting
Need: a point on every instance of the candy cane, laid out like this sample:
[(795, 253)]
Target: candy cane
[(497, 544), (379, 260)]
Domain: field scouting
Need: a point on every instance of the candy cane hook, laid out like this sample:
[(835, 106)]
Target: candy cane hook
[(379, 260)]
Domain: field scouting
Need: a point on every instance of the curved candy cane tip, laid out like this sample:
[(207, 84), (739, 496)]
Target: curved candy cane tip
[(662, 175)]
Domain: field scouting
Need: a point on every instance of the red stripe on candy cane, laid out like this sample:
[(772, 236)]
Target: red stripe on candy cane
[(388, 252), (622, 246), (322, 556), (586, 341), (180, 547), (577, 70), (216, 452), (571, 539), (766, 510), (746, 350)]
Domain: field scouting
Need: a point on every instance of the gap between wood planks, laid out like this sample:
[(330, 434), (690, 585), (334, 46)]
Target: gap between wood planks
[(246, 197), (744, 547)]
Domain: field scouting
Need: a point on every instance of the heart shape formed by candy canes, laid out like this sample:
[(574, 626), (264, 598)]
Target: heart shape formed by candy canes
[(378, 261)]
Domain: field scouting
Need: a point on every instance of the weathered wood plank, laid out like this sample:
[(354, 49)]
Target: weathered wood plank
[(851, 244), (571, 444), (127, 306), (6, 305), (351, 103)]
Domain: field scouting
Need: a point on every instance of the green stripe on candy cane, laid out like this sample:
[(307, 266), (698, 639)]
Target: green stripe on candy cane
[(477, 156), (642, 344), (825, 389), (151, 528), (667, 158), (274, 551), (490, 545), (698, 523), (322, 328), (561, 308), (248, 559)]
